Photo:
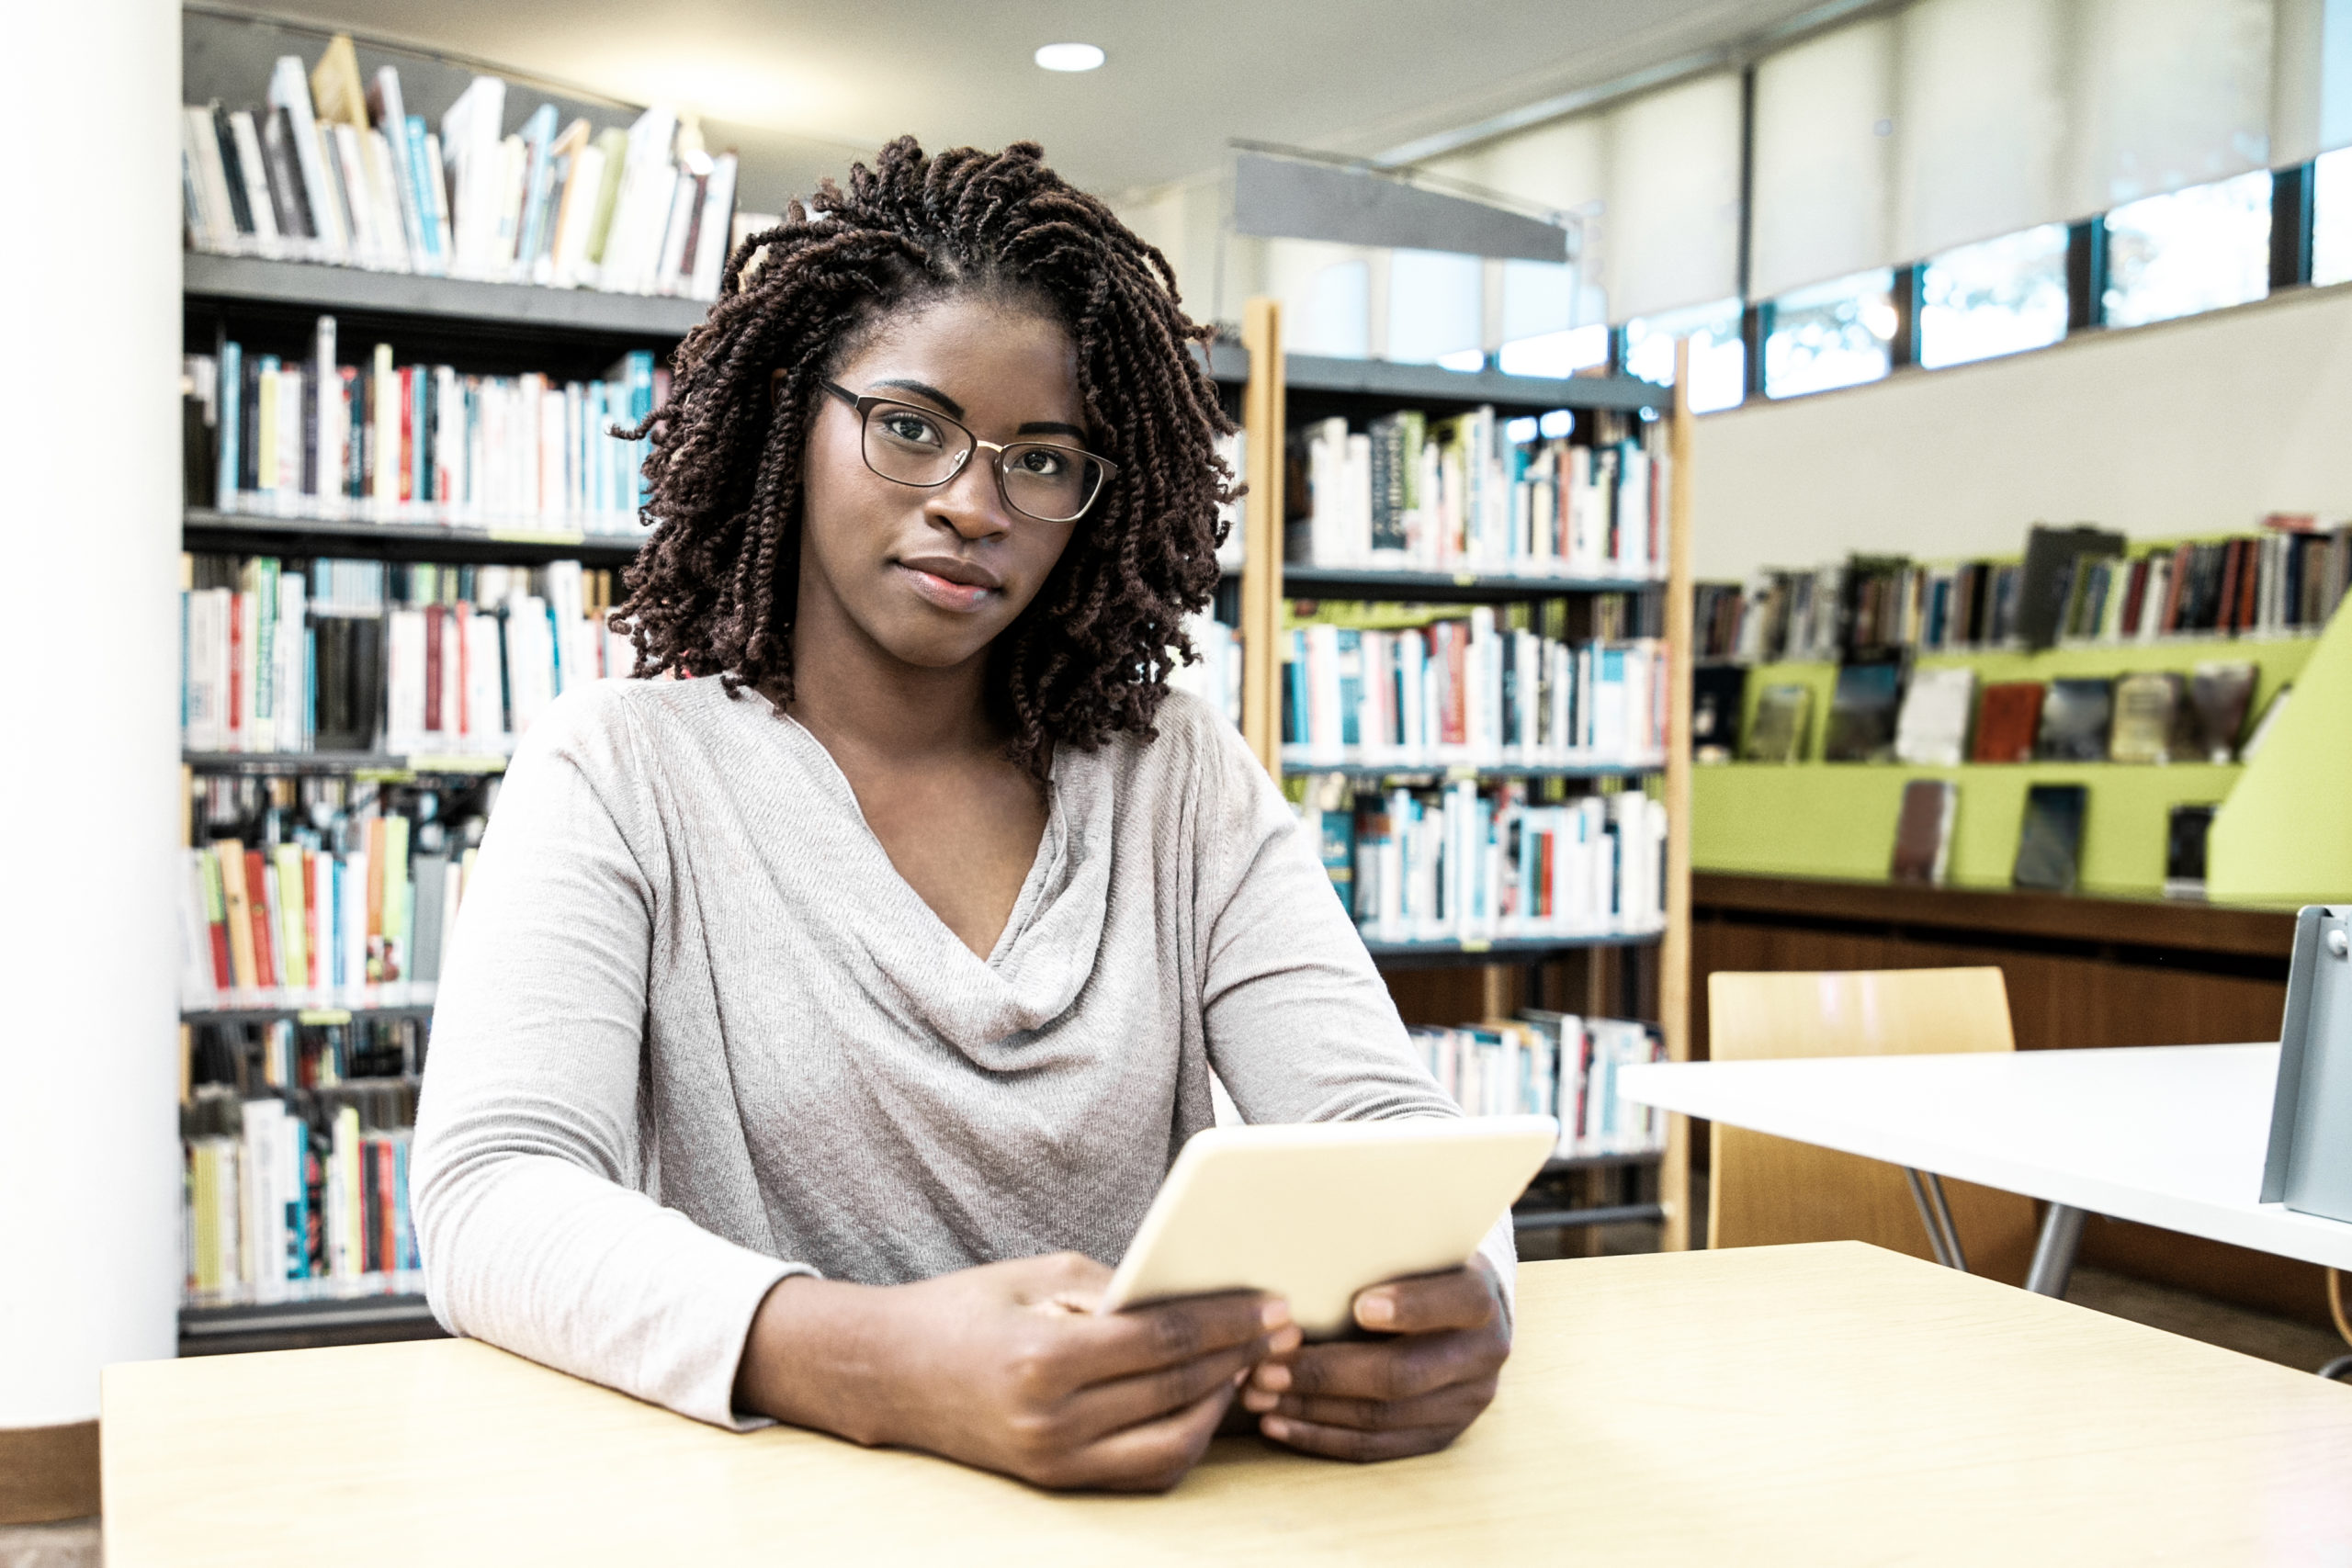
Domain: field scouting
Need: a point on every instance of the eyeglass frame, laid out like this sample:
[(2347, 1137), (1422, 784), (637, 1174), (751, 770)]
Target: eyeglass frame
[(863, 404)]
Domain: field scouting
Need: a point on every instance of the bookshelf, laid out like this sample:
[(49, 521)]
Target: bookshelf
[(492, 328), (1272, 385)]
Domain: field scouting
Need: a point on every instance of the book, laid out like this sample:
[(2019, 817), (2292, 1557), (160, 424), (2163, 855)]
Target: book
[(1923, 832), (1550, 1064), (1465, 861), (2076, 717), (2148, 714), (387, 442), (1862, 711), (1477, 492), (288, 1150), (2186, 829), (2050, 839), (2007, 720), (2219, 696), (334, 655), (2271, 712), (1718, 691), (1778, 733), (333, 169), (1932, 729), (1469, 689), (2288, 579), (2055, 576)]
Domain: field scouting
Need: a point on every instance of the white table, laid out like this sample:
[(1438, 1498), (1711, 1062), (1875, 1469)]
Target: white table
[(2167, 1135)]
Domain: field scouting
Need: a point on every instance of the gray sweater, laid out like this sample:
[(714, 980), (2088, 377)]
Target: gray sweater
[(698, 1034)]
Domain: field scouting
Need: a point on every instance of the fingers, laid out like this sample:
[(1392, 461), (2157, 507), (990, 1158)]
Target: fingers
[(1103, 1347), (1105, 1407), (1386, 1369), (1453, 1408), (1151, 1457), (1458, 1298), (1354, 1444)]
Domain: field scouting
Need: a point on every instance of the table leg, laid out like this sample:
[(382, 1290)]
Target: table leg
[(1943, 1216), (1927, 1218), (2053, 1253)]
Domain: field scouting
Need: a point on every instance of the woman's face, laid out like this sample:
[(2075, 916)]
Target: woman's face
[(932, 576)]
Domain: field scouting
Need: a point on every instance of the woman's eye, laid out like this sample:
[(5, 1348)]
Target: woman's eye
[(1043, 463), (909, 427)]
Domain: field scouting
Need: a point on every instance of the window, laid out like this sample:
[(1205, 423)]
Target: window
[(1538, 333), (1435, 302), (2192, 250), (1833, 334), (1718, 356), (2332, 218), (1994, 298)]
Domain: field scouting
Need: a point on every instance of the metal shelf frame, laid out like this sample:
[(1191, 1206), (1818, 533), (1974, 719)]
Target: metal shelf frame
[(237, 533), (511, 307)]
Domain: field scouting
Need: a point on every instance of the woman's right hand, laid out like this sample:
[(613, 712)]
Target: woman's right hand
[(1009, 1366)]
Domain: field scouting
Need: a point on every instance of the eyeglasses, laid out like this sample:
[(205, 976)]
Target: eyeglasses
[(911, 446)]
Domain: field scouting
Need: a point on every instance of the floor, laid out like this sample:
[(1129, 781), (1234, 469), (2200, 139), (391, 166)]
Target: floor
[(74, 1545)]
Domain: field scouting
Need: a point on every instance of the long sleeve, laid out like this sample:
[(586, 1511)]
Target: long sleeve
[(530, 1144), (1300, 1025)]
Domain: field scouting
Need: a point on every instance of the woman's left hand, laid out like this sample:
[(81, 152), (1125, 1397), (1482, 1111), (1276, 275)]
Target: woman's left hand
[(1410, 1391)]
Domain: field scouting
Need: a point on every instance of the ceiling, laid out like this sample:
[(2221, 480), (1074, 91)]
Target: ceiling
[(803, 85)]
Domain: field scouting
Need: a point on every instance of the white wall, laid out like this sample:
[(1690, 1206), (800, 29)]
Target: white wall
[(2189, 428), (89, 439)]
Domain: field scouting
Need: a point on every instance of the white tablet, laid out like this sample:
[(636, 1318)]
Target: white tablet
[(1315, 1212)]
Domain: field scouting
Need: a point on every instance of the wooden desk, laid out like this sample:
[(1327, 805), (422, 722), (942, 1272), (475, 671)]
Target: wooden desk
[(1804, 1404)]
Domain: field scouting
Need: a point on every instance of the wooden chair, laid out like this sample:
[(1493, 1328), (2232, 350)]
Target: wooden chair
[(1765, 1191)]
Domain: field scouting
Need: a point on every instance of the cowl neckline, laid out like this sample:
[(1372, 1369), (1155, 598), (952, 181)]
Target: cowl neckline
[(986, 1009)]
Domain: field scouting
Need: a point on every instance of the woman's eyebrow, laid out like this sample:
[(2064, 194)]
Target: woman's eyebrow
[(1050, 427), (955, 410)]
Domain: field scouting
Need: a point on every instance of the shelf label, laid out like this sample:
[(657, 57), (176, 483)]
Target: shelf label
[(1465, 580), (324, 1016), (1476, 945)]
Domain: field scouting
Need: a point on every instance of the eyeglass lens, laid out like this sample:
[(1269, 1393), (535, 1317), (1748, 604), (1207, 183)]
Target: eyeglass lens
[(1053, 484)]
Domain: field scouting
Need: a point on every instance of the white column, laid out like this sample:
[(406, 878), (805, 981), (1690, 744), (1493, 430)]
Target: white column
[(89, 773)]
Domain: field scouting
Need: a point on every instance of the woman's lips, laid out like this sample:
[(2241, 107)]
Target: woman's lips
[(961, 597)]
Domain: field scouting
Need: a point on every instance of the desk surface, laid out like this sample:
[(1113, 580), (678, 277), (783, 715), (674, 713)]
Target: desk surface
[(2169, 1135), (1821, 1404)]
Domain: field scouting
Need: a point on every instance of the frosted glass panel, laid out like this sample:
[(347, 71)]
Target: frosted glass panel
[(1996, 297), (1668, 232), (1835, 334), (1434, 300), (1559, 165), (1980, 128), (1326, 291), (1823, 159), (2194, 250), (1718, 356), (2332, 218), (2171, 92)]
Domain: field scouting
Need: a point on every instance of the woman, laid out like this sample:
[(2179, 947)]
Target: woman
[(829, 1011)]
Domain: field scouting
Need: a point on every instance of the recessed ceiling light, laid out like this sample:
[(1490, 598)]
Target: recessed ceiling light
[(1069, 57)]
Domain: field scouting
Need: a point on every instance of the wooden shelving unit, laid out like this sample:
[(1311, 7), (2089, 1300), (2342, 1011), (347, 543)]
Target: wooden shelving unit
[(1267, 582)]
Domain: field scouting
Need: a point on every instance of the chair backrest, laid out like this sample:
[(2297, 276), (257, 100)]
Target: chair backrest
[(1765, 1191)]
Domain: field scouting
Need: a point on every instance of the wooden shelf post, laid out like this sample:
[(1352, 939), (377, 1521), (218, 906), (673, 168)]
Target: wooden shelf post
[(1674, 952), (1262, 569)]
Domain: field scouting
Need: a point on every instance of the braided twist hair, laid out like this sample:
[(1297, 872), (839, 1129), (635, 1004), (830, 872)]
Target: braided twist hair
[(715, 586)]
